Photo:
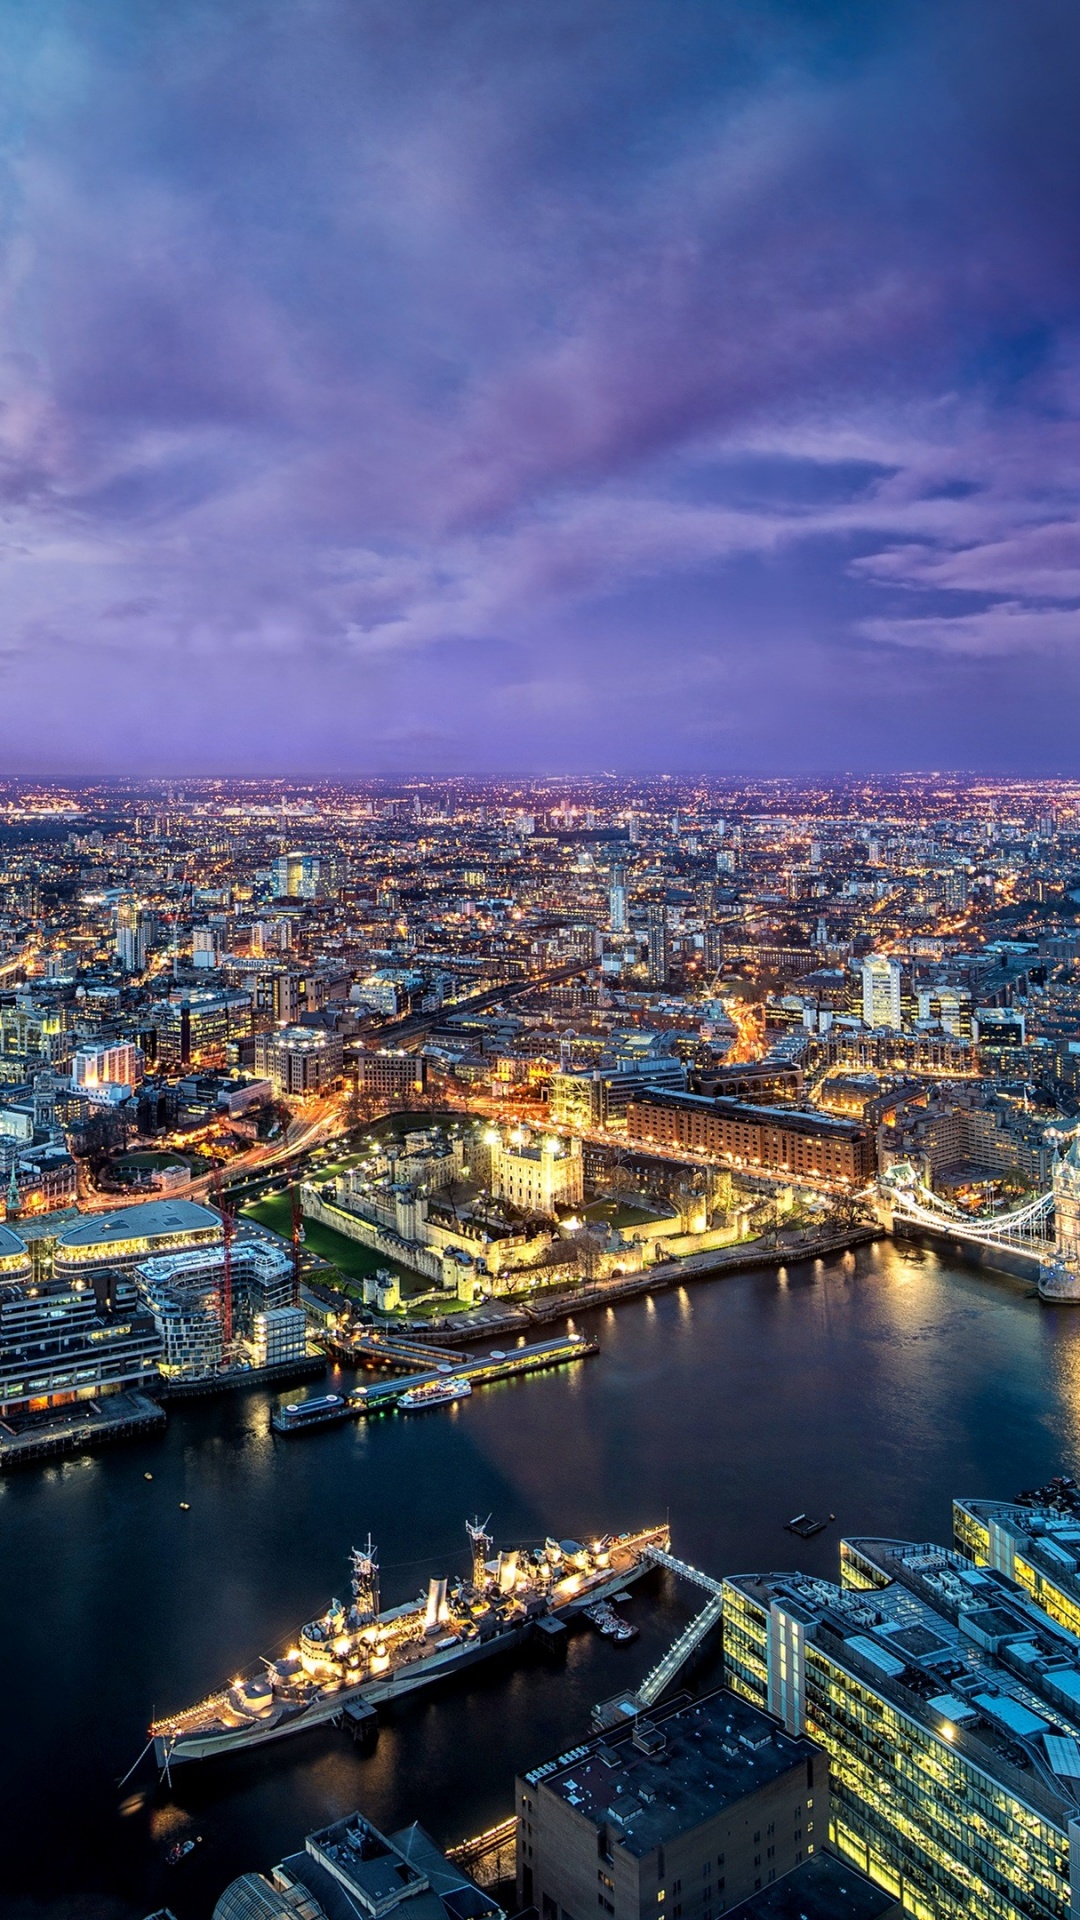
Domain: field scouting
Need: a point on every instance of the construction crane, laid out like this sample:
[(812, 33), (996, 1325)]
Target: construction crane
[(228, 1228), (297, 1237)]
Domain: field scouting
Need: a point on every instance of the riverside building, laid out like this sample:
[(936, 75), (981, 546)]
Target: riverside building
[(692, 1811), (1037, 1547), (775, 1139), (97, 1241), (949, 1705), (66, 1340)]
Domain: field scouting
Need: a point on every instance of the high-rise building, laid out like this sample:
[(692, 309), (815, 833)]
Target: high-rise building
[(194, 1028), (881, 992), (204, 947), (299, 1060), (659, 965), (685, 1814), (296, 876), (949, 1706), (107, 1063), (133, 931), (617, 900)]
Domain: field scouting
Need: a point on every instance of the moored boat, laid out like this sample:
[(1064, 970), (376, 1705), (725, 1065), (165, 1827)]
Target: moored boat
[(361, 1653)]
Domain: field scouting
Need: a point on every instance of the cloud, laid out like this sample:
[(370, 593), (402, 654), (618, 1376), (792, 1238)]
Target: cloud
[(348, 334)]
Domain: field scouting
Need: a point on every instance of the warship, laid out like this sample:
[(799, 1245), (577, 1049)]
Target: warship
[(359, 1655)]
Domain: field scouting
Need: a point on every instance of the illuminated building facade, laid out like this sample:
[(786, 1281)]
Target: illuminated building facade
[(99, 1241), (1035, 1546), (63, 1340), (299, 1060), (296, 876), (396, 1075), (194, 1029), (659, 948), (779, 1139), (537, 1175), (936, 1690), (110, 1063), (881, 992)]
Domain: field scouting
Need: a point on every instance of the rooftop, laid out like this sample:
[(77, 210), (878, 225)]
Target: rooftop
[(146, 1222), (963, 1650), (700, 1758), (10, 1243), (821, 1889)]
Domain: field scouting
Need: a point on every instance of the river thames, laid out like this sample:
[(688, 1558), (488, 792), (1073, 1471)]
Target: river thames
[(873, 1387)]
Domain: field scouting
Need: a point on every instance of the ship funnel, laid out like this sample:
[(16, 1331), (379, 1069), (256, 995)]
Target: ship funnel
[(508, 1567), (436, 1605)]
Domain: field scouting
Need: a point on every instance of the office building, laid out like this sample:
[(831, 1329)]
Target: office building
[(949, 1706), (299, 1060), (600, 1098), (351, 1871), (195, 1029), (776, 1139), (393, 1076), (63, 1339), (658, 961), (296, 876), (617, 904), (692, 1810), (881, 983), (99, 1241), (1037, 1546), (107, 1063)]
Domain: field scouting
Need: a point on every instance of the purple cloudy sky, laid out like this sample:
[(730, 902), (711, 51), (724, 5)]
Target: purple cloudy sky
[(540, 384)]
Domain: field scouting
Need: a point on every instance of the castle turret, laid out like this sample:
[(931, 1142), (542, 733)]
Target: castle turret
[(1060, 1279)]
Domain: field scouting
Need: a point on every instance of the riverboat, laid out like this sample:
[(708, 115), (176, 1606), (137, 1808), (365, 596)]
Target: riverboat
[(434, 1393)]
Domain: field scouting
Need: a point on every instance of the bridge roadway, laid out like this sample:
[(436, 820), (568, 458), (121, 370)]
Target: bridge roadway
[(1024, 1230)]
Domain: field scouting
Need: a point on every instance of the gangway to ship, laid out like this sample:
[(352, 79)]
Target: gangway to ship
[(627, 1706), (367, 1348)]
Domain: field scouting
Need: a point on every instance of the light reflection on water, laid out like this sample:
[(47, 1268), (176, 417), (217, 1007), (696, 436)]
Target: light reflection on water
[(872, 1388)]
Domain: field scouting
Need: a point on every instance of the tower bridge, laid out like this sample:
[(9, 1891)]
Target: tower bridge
[(1045, 1230)]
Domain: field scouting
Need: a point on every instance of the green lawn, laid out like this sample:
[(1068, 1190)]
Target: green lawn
[(350, 1257), (625, 1215)]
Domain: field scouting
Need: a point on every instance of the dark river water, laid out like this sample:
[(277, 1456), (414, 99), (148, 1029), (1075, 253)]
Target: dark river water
[(873, 1387)]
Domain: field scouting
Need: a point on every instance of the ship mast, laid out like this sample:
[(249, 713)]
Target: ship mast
[(365, 1580), (481, 1542)]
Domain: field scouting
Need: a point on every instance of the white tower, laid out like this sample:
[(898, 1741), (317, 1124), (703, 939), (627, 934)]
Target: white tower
[(1061, 1279)]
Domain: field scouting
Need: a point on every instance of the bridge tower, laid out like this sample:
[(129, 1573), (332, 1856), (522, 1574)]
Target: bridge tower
[(1060, 1280)]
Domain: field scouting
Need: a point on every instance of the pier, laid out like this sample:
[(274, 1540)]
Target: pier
[(499, 1364), (627, 1706), (81, 1428)]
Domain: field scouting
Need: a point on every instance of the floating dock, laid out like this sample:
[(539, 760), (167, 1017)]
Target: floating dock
[(499, 1364), (383, 1396)]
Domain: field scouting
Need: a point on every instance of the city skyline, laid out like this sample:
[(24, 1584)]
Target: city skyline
[(684, 388)]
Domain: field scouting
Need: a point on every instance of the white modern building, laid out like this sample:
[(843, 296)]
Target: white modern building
[(881, 992)]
